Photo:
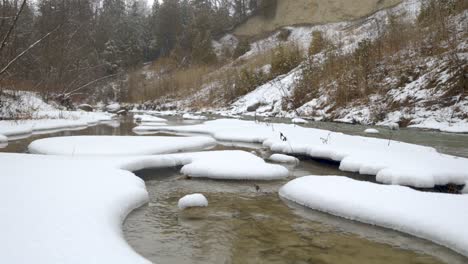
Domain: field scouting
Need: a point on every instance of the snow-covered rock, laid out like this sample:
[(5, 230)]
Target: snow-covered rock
[(189, 116), (118, 145), (221, 167), (113, 108), (192, 200), (393, 126), (86, 107), (281, 158), (392, 162), (3, 139), (148, 119), (371, 131), (298, 120), (437, 217)]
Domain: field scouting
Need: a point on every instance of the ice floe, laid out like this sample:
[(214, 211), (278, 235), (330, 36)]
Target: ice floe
[(393, 162), (192, 200), (440, 218), (118, 145)]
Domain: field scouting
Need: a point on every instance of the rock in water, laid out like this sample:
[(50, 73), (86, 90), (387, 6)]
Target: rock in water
[(193, 200)]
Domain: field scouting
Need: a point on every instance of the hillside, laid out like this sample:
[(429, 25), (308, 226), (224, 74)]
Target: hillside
[(396, 66), (297, 12)]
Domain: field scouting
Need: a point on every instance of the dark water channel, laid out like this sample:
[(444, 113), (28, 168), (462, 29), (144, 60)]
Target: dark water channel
[(241, 225)]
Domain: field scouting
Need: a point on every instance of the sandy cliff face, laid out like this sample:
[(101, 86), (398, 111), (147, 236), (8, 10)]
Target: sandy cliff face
[(295, 12)]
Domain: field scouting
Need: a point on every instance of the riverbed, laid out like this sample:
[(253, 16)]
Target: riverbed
[(243, 225)]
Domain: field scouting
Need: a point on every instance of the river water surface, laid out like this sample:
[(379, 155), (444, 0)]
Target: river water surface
[(242, 225)]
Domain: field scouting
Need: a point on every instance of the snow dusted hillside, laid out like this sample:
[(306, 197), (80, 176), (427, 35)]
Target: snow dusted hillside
[(415, 94)]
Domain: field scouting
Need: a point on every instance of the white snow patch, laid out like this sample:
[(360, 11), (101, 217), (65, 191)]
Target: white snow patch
[(53, 121), (53, 205), (281, 158), (221, 167), (440, 218), (192, 200), (371, 131), (118, 145), (392, 162), (189, 116), (56, 210), (148, 119), (298, 120)]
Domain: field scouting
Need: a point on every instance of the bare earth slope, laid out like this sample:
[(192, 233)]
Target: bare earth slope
[(295, 12)]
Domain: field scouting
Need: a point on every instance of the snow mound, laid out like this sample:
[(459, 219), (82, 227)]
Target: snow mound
[(298, 120), (392, 162), (371, 131), (113, 107), (189, 116), (281, 158), (3, 139), (221, 167), (193, 200), (148, 118), (56, 210), (52, 121), (433, 216), (53, 205), (118, 145)]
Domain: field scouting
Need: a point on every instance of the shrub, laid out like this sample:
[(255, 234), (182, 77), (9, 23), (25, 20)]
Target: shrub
[(284, 58), (242, 47)]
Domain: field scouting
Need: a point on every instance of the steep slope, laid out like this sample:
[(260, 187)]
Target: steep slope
[(296, 12)]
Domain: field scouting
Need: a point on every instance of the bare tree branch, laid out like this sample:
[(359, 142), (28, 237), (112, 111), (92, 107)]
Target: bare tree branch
[(10, 30), (26, 51), (88, 84)]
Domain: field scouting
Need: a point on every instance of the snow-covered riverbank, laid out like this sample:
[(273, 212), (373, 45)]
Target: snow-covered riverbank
[(392, 162)]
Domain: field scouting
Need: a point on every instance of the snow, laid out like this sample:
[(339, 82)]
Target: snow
[(433, 216), (192, 200), (114, 107), (298, 120), (52, 121), (148, 119), (118, 145), (371, 131), (392, 162), (193, 117), (55, 210), (69, 209), (221, 167), (281, 158)]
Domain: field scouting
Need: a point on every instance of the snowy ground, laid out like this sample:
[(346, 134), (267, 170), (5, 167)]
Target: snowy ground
[(440, 218), (392, 162), (118, 145), (69, 208), (44, 118), (419, 104)]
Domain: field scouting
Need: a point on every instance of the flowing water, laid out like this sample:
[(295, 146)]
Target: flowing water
[(242, 225)]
